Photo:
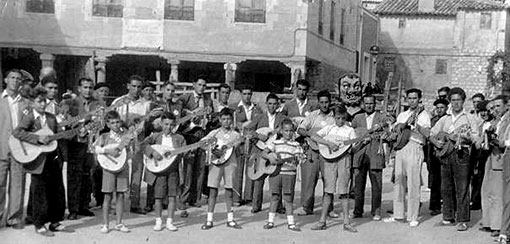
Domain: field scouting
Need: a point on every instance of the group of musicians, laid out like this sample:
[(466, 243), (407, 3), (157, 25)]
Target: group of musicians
[(462, 149)]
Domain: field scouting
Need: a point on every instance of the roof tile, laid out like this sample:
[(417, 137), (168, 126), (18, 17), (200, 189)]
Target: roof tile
[(442, 7)]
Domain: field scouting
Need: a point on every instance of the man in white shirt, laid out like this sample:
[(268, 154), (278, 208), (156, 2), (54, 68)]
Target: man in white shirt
[(409, 159), (129, 113), (462, 130), (12, 109)]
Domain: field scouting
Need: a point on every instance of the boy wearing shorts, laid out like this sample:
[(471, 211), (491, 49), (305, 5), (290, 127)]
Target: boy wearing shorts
[(165, 183), (336, 173), (283, 150), (226, 171), (113, 182)]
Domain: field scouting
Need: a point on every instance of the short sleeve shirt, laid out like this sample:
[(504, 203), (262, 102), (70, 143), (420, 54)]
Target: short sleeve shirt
[(423, 120), (286, 149), (345, 131), (317, 120)]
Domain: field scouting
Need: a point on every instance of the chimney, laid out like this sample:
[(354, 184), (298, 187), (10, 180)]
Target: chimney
[(426, 6)]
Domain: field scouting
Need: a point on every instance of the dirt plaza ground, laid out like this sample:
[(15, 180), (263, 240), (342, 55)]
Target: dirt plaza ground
[(88, 229)]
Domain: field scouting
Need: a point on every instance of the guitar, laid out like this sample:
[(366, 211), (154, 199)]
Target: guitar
[(116, 164), (25, 152), (264, 131), (97, 112), (444, 146), (259, 166), (199, 112), (222, 151), (401, 133), (182, 120), (170, 154)]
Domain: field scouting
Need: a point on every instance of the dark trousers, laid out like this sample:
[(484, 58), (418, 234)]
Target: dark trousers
[(237, 184), (195, 171), (360, 179), (309, 177), (97, 181), (47, 194), (479, 159), (434, 168), (78, 177), (455, 185), (505, 219)]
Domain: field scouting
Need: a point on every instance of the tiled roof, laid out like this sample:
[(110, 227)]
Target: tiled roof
[(442, 7)]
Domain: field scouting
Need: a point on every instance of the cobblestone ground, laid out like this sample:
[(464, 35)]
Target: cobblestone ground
[(88, 229)]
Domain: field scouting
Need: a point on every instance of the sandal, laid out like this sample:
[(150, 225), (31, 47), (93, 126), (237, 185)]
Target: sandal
[(268, 226), (294, 227), (320, 226), (208, 225)]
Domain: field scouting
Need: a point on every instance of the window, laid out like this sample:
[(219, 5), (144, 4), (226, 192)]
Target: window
[(342, 26), (485, 20), (180, 9), (441, 66), (402, 23), (253, 11), (107, 8), (40, 6), (332, 22), (321, 10)]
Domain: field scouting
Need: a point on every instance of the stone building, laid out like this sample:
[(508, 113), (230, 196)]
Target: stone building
[(434, 43), (267, 43)]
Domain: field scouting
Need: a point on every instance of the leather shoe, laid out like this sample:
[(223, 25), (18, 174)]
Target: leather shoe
[(319, 226), (148, 209), (208, 225), (138, 211), (17, 226), (485, 229), (462, 227), (86, 212), (233, 225), (357, 216), (435, 212), (253, 210), (45, 232), (58, 227), (281, 211), (302, 212), (72, 216)]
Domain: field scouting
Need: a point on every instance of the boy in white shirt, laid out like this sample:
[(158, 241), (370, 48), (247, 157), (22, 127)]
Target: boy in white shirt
[(336, 172)]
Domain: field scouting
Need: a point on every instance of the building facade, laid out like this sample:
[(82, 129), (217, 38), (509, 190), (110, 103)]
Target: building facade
[(264, 43), (434, 43)]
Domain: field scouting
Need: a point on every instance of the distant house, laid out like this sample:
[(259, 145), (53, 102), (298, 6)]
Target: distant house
[(434, 43)]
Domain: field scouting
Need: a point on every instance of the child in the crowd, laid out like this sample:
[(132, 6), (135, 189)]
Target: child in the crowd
[(46, 186), (113, 182), (282, 149), (166, 183), (227, 134), (336, 173)]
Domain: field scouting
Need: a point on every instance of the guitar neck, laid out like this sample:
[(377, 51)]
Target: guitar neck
[(187, 148), (75, 119), (65, 134)]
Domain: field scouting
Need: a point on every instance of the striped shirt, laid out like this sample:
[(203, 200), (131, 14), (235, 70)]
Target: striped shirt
[(285, 149)]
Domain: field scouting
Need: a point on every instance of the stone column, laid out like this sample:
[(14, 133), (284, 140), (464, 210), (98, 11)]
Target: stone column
[(101, 69), (47, 59), (297, 71), (230, 74), (174, 70)]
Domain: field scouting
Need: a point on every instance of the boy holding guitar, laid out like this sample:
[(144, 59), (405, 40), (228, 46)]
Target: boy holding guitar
[(113, 182), (283, 150), (225, 135), (46, 187), (165, 183), (336, 172)]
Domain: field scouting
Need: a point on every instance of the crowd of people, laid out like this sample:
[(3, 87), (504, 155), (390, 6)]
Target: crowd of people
[(465, 152)]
